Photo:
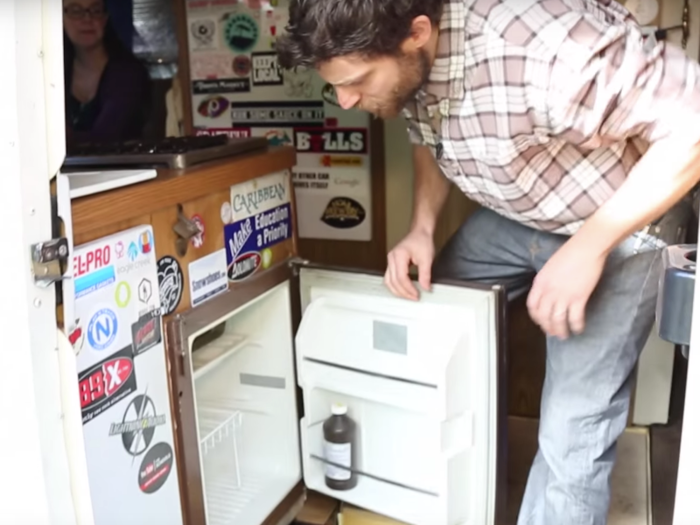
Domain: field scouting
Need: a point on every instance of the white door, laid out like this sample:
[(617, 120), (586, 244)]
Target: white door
[(422, 382), (687, 507), (36, 481)]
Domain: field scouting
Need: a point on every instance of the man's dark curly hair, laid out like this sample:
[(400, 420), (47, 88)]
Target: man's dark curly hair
[(320, 30)]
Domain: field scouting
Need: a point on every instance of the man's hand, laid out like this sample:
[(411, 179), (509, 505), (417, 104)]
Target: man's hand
[(561, 289), (417, 248)]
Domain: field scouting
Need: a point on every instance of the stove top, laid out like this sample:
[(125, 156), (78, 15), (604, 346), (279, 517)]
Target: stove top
[(172, 152)]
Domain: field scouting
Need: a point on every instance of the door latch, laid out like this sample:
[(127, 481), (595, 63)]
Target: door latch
[(49, 261)]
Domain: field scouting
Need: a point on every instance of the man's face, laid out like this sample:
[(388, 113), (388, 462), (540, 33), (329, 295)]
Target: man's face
[(381, 86)]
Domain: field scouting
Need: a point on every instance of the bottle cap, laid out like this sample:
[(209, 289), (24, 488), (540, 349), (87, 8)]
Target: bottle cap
[(338, 409)]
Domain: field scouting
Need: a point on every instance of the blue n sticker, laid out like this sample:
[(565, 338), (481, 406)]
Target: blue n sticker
[(102, 329)]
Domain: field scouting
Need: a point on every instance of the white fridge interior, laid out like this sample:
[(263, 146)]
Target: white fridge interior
[(245, 403), (418, 378)]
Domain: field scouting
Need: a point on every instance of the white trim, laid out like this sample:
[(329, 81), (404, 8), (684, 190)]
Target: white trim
[(35, 469), (687, 509)]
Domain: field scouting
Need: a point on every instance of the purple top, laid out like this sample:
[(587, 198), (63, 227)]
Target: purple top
[(119, 109)]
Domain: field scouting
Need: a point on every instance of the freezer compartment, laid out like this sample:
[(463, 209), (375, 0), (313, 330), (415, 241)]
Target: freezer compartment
[(245, 407), (352, 321)]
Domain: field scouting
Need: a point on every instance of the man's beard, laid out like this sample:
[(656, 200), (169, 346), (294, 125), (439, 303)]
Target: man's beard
[(414, 71)]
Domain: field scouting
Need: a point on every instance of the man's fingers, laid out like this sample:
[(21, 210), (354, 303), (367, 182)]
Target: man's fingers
[(424, 269), (577, 316), (559, 321), (400, 282)]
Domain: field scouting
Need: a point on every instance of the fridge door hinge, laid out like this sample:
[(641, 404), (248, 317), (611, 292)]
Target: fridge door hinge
[(295, 263), (49, 260)]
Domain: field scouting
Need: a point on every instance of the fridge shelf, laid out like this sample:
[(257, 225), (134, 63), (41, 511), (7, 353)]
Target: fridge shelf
[(217, 424), (205, 359), (228, 498)]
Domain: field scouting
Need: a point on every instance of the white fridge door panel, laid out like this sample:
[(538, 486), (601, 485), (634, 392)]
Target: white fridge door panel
[(116, 333), (420, 380)]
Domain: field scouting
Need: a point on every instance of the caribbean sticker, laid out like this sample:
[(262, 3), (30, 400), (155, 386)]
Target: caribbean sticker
[(241, 33), (170, 284), (343, 213)]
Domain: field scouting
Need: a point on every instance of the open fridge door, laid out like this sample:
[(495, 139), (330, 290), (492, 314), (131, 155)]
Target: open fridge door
[(421, 382), (122, 379)]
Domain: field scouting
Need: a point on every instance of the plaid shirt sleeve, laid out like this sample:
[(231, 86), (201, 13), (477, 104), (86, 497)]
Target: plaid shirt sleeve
[(604, 86)]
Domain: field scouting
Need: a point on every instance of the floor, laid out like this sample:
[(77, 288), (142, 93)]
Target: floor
[(635, 499), (630, 503)]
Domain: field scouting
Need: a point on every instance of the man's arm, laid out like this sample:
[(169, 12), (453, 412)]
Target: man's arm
[(603, 88), (653, 94), (430, 190)]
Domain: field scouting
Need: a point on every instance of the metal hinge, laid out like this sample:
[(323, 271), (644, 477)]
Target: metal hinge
[(49, 260)]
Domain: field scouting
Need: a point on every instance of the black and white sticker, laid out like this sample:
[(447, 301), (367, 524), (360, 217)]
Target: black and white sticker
[(170, 281), (155, 468), (266, 70), (138, 425)]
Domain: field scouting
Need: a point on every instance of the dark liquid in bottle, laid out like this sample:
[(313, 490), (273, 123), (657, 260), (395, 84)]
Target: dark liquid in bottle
[(339, 433)]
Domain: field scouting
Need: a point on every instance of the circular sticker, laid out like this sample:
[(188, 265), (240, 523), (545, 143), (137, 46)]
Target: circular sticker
[(122, 295), (138, 426), (241, 33), (241, 65), (102, 329), (198, 240), (170, 284), (343, 213), (155, 468), (226, 213), (266, 258)]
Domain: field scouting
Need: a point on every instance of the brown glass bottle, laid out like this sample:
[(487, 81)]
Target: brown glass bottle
[(339, 434)]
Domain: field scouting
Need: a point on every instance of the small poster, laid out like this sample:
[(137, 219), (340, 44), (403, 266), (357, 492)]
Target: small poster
[(336, 203), (239, 90)]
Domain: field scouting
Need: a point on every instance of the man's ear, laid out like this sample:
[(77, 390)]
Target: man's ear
[(421, 31)]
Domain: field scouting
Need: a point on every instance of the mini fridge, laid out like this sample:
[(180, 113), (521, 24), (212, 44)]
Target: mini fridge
[(257, 369)]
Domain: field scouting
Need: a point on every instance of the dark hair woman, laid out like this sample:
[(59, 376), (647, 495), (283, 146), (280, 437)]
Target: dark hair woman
[(107, 88)]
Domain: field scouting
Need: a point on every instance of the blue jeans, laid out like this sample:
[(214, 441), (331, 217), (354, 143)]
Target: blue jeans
[(586, 394)]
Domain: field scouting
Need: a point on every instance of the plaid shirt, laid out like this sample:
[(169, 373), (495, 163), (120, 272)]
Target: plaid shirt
[(539, 109)]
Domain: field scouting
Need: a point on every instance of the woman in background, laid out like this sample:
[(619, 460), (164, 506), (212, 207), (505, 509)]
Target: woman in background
[(107, 89)]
